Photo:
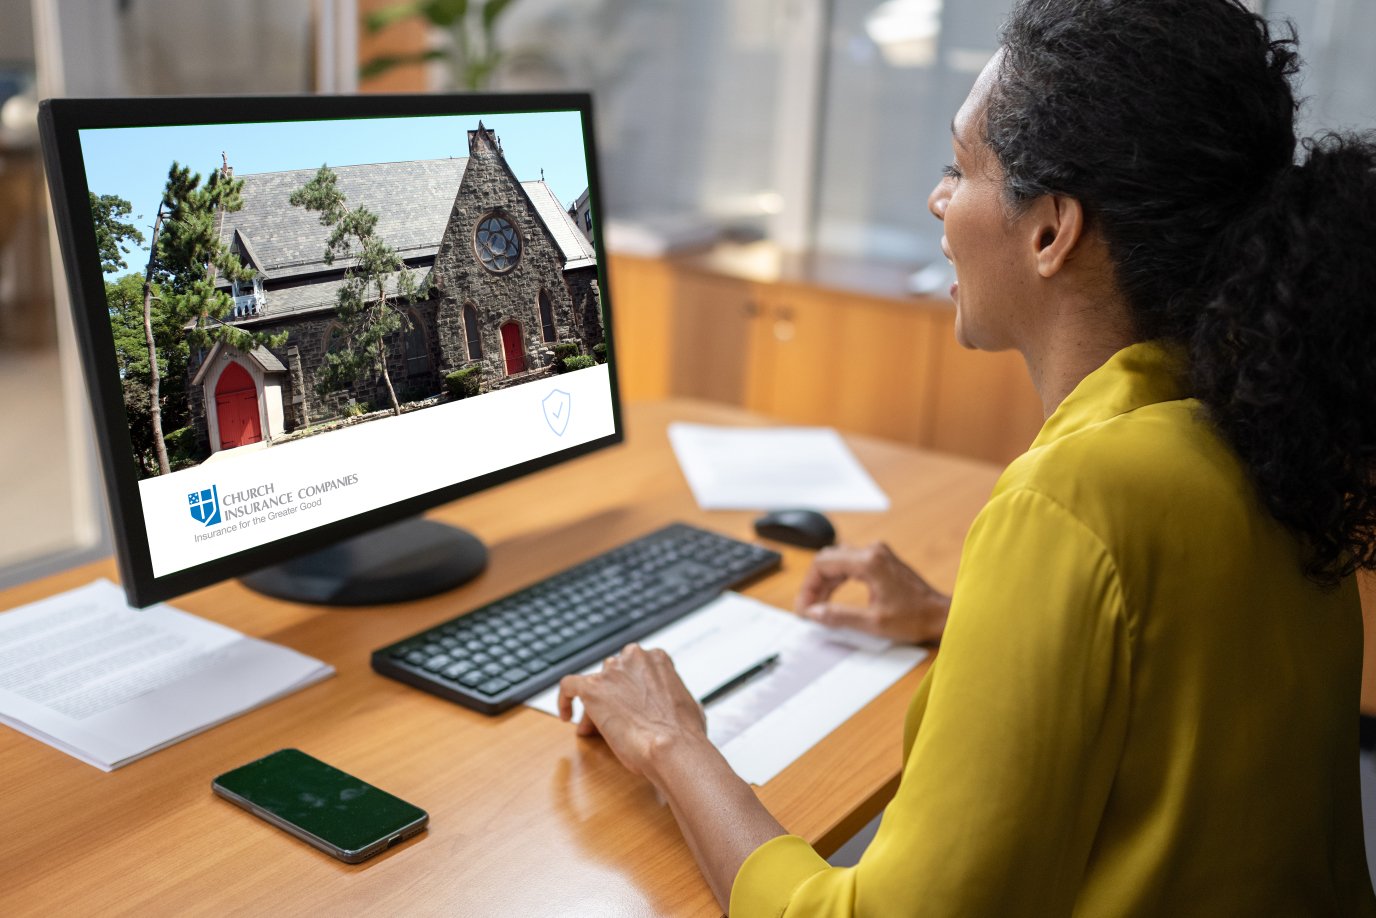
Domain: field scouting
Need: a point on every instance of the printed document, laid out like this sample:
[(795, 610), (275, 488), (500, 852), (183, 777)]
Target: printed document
[(823, 676), (773, 468), (89, 675)]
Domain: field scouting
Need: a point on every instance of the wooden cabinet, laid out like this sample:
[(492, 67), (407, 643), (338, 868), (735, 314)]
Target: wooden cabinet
[(642, 293), (819, 357), (808, 352)]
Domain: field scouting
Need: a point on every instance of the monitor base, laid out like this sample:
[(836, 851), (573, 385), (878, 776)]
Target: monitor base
[(407, 560)]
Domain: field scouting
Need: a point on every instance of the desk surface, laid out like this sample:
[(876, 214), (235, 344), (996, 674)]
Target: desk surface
[(525, 818)]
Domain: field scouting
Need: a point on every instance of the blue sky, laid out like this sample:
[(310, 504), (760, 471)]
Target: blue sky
[(133, 162)]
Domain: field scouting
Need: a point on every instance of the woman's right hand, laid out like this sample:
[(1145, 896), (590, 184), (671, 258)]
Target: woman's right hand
[(902, 606)]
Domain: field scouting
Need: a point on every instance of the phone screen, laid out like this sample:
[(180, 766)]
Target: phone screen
[(334, 806)]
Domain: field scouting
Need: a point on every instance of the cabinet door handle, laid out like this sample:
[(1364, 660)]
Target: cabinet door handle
[(784, 329)]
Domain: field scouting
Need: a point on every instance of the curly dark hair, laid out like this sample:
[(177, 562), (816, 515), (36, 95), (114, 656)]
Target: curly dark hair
[(1172, 123)]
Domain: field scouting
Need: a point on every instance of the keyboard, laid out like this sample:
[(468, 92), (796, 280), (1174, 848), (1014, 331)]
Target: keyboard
[(496, 656)]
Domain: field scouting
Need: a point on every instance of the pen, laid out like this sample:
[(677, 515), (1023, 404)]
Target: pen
[(737, 681)]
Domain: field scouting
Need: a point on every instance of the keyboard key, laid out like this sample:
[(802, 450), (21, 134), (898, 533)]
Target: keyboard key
[(493, 686), (455, 670), (438, 662)]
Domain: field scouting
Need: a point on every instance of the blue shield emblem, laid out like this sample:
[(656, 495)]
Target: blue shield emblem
[(558, 405), (205, 505)]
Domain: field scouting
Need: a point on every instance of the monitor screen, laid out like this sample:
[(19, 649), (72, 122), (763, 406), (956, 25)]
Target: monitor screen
[(302, 318)]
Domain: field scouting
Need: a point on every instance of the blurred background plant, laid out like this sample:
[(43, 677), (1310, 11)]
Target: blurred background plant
[(466, 34)]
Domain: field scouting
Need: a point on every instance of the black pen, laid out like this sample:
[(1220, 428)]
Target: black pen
[(736, 682)]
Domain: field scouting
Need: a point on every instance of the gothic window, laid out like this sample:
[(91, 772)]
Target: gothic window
[(334, 337), (546, 316), (497, 244), (470, 331), (417, 347)]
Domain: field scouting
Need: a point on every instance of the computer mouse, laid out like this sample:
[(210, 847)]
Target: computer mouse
[(807, 528)]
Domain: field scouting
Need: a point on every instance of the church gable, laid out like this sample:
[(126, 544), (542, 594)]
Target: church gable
[(499, 256)]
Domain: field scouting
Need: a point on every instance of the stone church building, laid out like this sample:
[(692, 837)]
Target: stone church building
[(508, 271)]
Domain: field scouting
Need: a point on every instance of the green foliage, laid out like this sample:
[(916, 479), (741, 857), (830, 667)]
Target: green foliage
[(564, 350), (113, 234), (182, 449), (376, 287), (469, 31), (356, 409), (599, 352), (465, 382), (191, 258), (580, 362), (124, 300)]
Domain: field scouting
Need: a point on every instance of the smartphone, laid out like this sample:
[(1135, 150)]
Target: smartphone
[(321, 805)]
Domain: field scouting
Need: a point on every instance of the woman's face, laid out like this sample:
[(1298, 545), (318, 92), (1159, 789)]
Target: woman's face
[(980, 238)]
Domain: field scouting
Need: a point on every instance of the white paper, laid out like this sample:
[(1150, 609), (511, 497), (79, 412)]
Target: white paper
[(821, 679), (89, 675), (772, 468)]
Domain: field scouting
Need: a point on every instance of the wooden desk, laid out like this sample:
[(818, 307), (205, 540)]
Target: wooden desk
[(526, 819)]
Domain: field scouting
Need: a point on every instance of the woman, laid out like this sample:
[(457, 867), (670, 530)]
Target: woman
[(1145, 700)]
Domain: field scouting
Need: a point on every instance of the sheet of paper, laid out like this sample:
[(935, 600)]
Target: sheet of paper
[(772, 468), (86, 673), (821, 679)]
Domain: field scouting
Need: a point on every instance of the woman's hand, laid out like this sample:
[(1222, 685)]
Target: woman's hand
[(657, 729), (639, 705), (902, 606)]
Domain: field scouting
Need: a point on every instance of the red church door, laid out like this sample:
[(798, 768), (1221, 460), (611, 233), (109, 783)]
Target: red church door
[(236, 407), (511, 346)]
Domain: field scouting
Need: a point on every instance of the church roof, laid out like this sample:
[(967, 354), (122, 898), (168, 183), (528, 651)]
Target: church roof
[(261, 355), (310, 297), (577, 251), (412, 201)]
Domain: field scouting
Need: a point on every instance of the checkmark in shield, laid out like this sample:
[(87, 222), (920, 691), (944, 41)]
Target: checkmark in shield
[(558, 405)]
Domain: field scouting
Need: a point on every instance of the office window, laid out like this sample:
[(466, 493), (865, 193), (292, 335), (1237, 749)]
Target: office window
[(1339, 75), (896, 73), (680, 89)]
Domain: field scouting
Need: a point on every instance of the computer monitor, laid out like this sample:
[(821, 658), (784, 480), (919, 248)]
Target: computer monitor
[(304, 320)]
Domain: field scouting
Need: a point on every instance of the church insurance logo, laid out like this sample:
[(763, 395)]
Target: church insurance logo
[(205, 505), (458, 276)]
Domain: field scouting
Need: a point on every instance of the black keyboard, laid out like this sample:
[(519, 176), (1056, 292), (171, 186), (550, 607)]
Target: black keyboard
[(497, 656)]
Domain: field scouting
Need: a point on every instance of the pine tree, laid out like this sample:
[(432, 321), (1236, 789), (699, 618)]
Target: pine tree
[(188, 258), (368, 312), (113, 233)]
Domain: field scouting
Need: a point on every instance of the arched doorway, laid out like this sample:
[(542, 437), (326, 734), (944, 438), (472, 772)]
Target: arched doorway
[(236, 408), (513, 349)]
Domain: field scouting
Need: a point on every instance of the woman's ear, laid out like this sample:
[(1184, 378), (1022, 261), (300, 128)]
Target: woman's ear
[(1060, 225)]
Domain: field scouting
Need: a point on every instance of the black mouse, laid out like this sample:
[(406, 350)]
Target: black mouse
[(807, 528)]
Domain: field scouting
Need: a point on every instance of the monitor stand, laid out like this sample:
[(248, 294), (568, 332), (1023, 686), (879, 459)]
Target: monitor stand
[(407, 560)]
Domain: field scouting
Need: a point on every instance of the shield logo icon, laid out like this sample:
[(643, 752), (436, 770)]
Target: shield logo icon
[(558, 405), (205, 505)]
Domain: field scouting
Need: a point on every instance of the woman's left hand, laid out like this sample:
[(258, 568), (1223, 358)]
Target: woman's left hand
[(639, 705)]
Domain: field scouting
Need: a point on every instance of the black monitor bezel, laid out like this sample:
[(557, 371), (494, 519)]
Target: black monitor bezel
[(60, 120)]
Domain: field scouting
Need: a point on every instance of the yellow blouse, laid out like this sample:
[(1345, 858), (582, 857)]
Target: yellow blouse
[(1140, 707)]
